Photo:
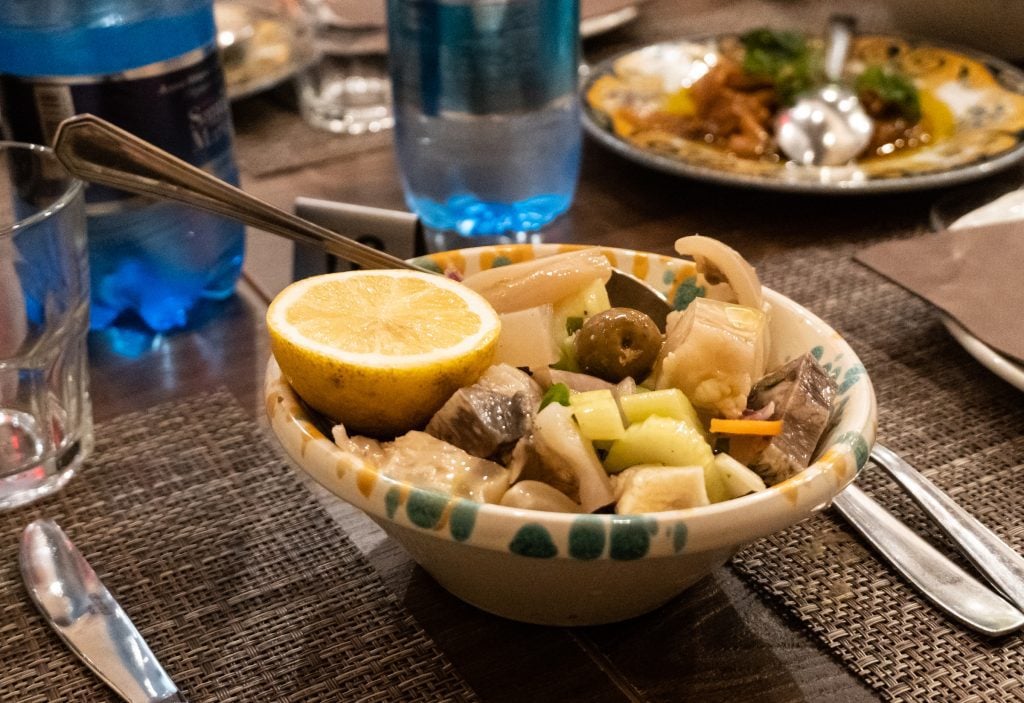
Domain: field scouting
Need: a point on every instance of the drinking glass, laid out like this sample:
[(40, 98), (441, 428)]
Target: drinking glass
[(346, 90), (45, 415), (487, 122)]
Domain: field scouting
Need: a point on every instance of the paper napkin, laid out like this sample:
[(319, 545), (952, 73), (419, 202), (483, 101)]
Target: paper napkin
[(974, 274)]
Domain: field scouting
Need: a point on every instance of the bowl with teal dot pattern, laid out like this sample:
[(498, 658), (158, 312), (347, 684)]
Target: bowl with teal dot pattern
[(571, 569)]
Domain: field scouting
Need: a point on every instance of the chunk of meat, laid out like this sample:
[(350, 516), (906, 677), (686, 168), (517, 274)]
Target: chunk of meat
[(482, 422), (802, 393), (487, 418)]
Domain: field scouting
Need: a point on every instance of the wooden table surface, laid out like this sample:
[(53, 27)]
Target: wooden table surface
[(718, 641)]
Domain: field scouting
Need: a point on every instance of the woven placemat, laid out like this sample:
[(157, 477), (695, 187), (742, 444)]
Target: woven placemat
[(241, 584), (954, 421)]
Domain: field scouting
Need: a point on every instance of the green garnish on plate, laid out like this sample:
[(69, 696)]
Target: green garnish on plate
[(894, 90), (782, 57)]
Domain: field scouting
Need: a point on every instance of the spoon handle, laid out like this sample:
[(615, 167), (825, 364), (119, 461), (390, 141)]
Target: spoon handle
[(939, 579), (840, 36), (97, 151), (945, 584), (1001, 565), (81, 610)]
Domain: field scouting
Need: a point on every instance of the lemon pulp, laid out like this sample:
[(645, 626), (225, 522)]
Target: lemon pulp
[(380, 351)]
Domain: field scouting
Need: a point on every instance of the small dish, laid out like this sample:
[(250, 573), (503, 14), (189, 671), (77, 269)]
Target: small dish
[(570, 569), (978, 99), (259, 48)]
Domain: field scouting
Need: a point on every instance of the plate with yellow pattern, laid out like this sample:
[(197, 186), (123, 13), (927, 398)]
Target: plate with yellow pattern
[(705, 107)]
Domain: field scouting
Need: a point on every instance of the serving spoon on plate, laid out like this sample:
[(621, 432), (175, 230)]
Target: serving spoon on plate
[(826, 126), (97, 151)]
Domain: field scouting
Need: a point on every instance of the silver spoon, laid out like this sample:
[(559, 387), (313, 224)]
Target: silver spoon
[(99, 152), (826, 126)]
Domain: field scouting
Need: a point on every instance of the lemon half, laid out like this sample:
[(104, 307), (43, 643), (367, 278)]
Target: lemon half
[(380, 351)]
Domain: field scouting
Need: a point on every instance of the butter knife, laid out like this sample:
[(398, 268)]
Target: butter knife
[(85, 615), (945, 584)]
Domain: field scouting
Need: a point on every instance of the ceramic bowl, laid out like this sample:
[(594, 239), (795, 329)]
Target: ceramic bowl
[(568, 569)]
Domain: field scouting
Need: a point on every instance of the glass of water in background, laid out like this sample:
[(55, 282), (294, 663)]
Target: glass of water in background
[(45, 415), (487, 114), (346, 90)]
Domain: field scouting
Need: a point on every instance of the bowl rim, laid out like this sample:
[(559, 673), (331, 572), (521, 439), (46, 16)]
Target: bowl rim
[(749, 517)]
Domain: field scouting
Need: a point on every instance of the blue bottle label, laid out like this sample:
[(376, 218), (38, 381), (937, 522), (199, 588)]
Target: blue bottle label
[(179, 104)]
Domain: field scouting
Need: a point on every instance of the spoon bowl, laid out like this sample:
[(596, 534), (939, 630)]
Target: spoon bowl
[(826, 126)]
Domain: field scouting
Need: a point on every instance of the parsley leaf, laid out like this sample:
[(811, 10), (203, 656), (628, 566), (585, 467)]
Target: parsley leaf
[(783, 58), (557, 393), (893, 89)]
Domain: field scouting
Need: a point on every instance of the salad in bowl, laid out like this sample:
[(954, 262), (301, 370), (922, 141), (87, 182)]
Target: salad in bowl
[(574, 463)]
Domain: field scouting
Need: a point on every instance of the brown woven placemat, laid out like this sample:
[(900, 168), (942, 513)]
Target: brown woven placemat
[(955, 421), (241, 584)]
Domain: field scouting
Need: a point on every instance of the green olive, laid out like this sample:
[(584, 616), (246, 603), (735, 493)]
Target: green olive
[(617, 343)]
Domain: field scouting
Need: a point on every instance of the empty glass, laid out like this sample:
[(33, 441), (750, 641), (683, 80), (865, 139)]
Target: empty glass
[(45, 416), (347, 89)]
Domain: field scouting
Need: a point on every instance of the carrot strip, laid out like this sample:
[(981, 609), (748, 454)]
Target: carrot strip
[(755, 427)]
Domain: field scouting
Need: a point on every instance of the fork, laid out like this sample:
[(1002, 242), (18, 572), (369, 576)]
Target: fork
[(994, 558)]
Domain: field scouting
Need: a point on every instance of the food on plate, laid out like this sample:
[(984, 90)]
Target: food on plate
[(381, 351), (612, 416), (733, 104)]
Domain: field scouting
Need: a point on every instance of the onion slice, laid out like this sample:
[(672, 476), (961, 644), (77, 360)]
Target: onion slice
[(716, 260), (540, 281)]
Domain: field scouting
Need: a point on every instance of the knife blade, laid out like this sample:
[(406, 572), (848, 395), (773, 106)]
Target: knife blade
[(85, 615), (935, 576)]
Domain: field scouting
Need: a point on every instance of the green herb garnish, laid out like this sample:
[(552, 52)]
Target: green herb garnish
[(781, 57), (894, 90), (573, 324), (557, 393)]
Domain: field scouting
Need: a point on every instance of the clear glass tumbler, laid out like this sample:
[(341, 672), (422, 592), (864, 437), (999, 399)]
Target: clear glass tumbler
[(347, 89), (45, 415)]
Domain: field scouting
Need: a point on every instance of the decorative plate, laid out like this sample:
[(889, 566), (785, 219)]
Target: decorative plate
[(974, 105), (259, 48)]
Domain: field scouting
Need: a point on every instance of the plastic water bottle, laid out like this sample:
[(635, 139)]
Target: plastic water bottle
[(152, 68), (486, 111)]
